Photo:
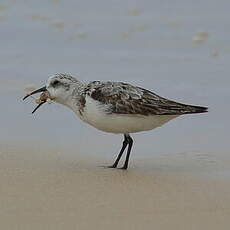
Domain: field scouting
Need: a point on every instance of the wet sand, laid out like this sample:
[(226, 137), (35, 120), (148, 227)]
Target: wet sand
[(44, 189)]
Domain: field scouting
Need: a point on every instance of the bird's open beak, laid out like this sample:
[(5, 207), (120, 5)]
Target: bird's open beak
[(43, 89), (43, 97)]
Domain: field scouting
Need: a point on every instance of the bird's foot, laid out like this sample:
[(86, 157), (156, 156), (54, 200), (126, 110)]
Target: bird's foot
[(115, 167), (110, 166)]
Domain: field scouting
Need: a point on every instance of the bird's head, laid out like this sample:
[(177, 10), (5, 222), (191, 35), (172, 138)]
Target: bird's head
[(59, 88)]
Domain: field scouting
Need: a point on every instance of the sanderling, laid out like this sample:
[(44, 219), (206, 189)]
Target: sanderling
[(113, 107)]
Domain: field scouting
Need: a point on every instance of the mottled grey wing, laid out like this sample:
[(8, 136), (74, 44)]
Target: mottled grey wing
[(124, 98)]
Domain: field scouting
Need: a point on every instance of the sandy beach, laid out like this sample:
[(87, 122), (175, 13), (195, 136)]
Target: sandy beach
[(44, 190)]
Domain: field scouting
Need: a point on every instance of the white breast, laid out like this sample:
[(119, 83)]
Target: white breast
[(95, 115)]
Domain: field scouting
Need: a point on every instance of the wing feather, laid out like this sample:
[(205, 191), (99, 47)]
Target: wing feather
[(124, 98)]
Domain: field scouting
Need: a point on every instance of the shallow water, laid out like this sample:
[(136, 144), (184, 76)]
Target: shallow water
[(147, 44)]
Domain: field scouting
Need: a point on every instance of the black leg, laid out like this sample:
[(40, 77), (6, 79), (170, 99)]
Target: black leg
[(130, 142), (125, 143)]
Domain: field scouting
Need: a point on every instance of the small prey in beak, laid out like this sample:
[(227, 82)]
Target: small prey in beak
[(42, 99)]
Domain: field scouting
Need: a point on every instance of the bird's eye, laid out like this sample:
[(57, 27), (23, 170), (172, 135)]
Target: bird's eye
[(55, 83)]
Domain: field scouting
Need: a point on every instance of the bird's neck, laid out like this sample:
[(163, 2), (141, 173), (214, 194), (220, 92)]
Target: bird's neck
[(75, 99)]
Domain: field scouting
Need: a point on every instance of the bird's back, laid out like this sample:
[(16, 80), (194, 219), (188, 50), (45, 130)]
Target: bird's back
[(125, 98)]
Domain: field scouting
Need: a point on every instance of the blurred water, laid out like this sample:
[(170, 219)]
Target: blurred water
[(146, 43)]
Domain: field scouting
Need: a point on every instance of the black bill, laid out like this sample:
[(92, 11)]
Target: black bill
[(43, 89), (38, 106), (42, 99)]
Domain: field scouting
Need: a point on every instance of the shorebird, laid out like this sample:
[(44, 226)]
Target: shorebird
[(113, 107)]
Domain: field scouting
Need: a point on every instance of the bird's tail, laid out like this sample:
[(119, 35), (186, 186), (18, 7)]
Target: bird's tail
[(188, 109)]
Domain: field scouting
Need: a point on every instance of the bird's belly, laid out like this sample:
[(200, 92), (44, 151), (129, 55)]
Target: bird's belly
[(95, 115), (129, 124), (123, 123)]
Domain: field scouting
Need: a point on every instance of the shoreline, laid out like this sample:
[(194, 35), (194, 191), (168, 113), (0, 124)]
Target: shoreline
[(47, 190)]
